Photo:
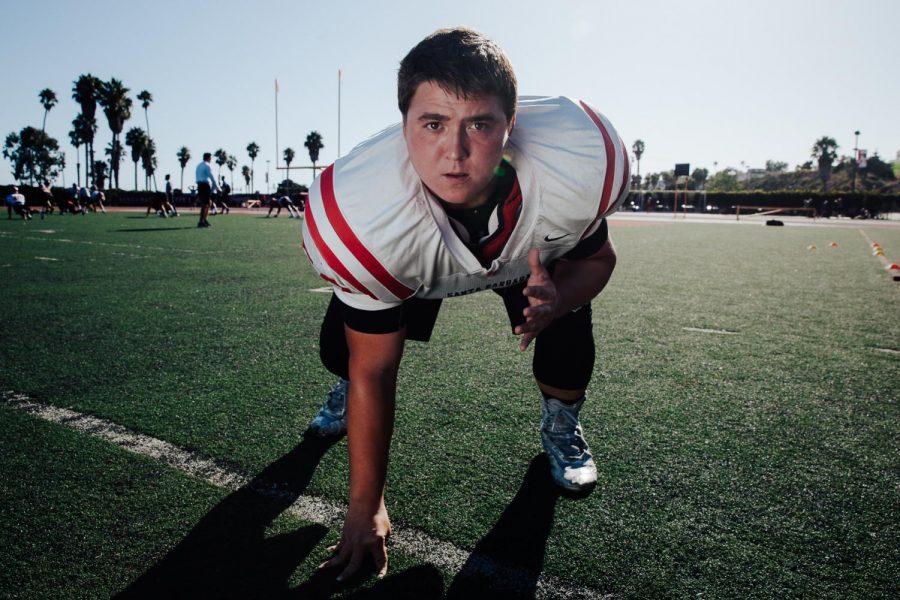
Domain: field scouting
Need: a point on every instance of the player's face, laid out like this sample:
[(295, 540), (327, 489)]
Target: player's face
[(455, 143)]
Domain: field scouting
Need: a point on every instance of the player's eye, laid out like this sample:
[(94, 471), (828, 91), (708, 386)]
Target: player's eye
[(480, 126), (433, 125)]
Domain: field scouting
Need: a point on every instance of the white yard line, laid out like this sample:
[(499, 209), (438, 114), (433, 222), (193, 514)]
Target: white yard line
[(885, 262), (718, 331), (409, 541), (111, 245)]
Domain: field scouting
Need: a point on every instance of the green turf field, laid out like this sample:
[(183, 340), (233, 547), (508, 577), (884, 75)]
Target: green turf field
[(743, 414)]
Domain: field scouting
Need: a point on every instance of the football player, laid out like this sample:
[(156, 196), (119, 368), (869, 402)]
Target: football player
[(474, 190)]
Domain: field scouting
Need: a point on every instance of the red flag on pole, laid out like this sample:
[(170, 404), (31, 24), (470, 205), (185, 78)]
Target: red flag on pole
[(861, 158), (276, 86)]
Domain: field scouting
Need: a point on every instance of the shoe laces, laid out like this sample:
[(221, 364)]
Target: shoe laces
[(336, 401), (561, 424)]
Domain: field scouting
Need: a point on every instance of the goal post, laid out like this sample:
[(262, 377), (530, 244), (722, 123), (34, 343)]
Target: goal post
[(763, 211)]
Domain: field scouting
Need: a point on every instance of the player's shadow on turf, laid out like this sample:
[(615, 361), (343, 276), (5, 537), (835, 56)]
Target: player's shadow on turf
[(228, 553), (508, 561)]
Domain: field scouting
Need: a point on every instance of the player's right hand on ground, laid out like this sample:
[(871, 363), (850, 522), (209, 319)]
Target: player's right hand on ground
[(364, 534)]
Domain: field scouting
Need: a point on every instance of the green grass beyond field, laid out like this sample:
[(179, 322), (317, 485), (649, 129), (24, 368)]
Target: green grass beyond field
[(743, 414)]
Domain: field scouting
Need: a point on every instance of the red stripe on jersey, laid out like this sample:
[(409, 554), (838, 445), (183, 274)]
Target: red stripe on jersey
[(627, 172), (335, 283), (333, 261), (510, 214), (353, 243), (610, 159), (622, 188), (325, 277)]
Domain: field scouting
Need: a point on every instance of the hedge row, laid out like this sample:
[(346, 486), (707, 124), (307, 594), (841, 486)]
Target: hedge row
[(34, 197), (850, 205)]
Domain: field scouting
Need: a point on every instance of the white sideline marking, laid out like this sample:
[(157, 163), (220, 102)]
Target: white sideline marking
[(321, 290), (309, 508), (719, 331), (886, 350), (46, 258), (111, 245)]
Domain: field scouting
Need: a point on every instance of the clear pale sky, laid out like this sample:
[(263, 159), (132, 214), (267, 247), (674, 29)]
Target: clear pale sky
[(700, 81)]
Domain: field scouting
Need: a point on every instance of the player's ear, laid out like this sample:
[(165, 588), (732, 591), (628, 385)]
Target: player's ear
[(512, 123)]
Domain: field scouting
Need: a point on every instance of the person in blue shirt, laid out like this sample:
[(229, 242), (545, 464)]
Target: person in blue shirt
[(206, 184)]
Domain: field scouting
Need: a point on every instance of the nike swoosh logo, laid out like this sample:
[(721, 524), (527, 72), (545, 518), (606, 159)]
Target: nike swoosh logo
[(547, 237)]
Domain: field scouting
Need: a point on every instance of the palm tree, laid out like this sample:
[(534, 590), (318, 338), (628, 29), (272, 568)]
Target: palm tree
[(184, 155), (99, 173), (84, 129), (288, 159), (85, 91), (314, 143), (146, 98), (221, 159), (252, 152), (48, 100), (77, 141), (638, 149), (148, 161), (114, 151), (136, 139), (825, 151), (117, 108), (231, 163), (246, 172)]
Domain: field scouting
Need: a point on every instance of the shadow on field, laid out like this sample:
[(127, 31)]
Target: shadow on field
[(229, 555), (508, 560)]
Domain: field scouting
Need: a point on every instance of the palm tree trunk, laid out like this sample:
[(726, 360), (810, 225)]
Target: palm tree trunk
[(135, 176), (182, 179), (44, 126), (93, 179)]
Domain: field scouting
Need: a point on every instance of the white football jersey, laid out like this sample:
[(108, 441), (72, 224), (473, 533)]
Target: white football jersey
[(374, 231)]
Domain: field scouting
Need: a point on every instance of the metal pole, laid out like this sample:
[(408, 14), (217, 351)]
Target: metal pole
[(339, 119), (855, 162), (675, 199), (276, 123)]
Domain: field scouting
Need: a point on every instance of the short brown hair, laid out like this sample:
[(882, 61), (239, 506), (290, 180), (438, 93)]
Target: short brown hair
[(462, 61)]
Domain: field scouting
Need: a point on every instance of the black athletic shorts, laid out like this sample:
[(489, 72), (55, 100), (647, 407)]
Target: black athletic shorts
[(204, 194)]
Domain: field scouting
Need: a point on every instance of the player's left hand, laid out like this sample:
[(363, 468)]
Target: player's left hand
[(542, 301)]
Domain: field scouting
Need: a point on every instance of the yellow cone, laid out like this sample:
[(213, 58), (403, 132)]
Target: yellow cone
[(811, 247)]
